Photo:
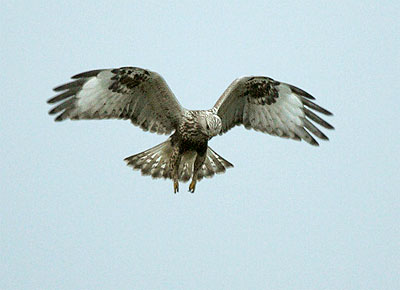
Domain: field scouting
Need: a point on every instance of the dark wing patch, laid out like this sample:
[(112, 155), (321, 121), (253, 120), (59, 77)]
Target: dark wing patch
[(126, 78), (272, 107), (261, 90), (123, 93)]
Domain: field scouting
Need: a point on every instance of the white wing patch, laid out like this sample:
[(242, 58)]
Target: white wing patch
[(280, 118), (265, 105), (125, 93), (92, 95)]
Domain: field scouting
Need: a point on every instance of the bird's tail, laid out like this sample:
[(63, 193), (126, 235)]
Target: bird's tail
[(155, 162)]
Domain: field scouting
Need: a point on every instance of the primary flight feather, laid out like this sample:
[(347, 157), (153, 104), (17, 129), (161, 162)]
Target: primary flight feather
[(143, 96)]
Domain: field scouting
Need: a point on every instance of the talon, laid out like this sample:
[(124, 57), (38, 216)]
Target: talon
[(192, 186), (176, 186)]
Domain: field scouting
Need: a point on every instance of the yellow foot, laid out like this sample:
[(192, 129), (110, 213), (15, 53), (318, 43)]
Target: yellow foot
[(176, 186), (192, 186)]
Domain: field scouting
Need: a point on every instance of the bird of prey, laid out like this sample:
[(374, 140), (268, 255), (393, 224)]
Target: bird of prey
[(144, 98)]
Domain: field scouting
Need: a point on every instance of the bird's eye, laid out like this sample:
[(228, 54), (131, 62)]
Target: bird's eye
[(208, 127)]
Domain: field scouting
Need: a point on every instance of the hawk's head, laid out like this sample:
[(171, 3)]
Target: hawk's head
[(210, 124)]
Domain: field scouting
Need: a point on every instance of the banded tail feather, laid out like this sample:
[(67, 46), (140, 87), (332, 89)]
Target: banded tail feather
[(154, 162)]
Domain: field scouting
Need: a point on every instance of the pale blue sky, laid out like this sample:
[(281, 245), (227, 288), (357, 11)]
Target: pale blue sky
[(288, 216)]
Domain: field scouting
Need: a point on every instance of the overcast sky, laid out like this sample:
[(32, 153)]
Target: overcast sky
[(287, 216)]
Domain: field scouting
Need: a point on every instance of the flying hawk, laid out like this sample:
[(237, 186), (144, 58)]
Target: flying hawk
[(143, 97)]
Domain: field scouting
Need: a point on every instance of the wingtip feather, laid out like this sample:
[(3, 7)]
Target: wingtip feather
[(301, 92), (71, 85), (59, 119), (87, 74)]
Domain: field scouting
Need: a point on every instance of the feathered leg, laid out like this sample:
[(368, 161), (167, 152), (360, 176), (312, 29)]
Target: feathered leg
[(196, 167), (174, 167)]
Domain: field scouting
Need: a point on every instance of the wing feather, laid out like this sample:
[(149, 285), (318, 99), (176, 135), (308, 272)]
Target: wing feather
[(272, 107), (317, 119), (131, 93)]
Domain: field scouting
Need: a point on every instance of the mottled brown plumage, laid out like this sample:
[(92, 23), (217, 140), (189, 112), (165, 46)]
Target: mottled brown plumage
[(144, 98)]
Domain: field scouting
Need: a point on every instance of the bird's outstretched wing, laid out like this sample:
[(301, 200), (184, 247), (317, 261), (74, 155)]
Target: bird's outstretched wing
[(272, 107), (131, 93)]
